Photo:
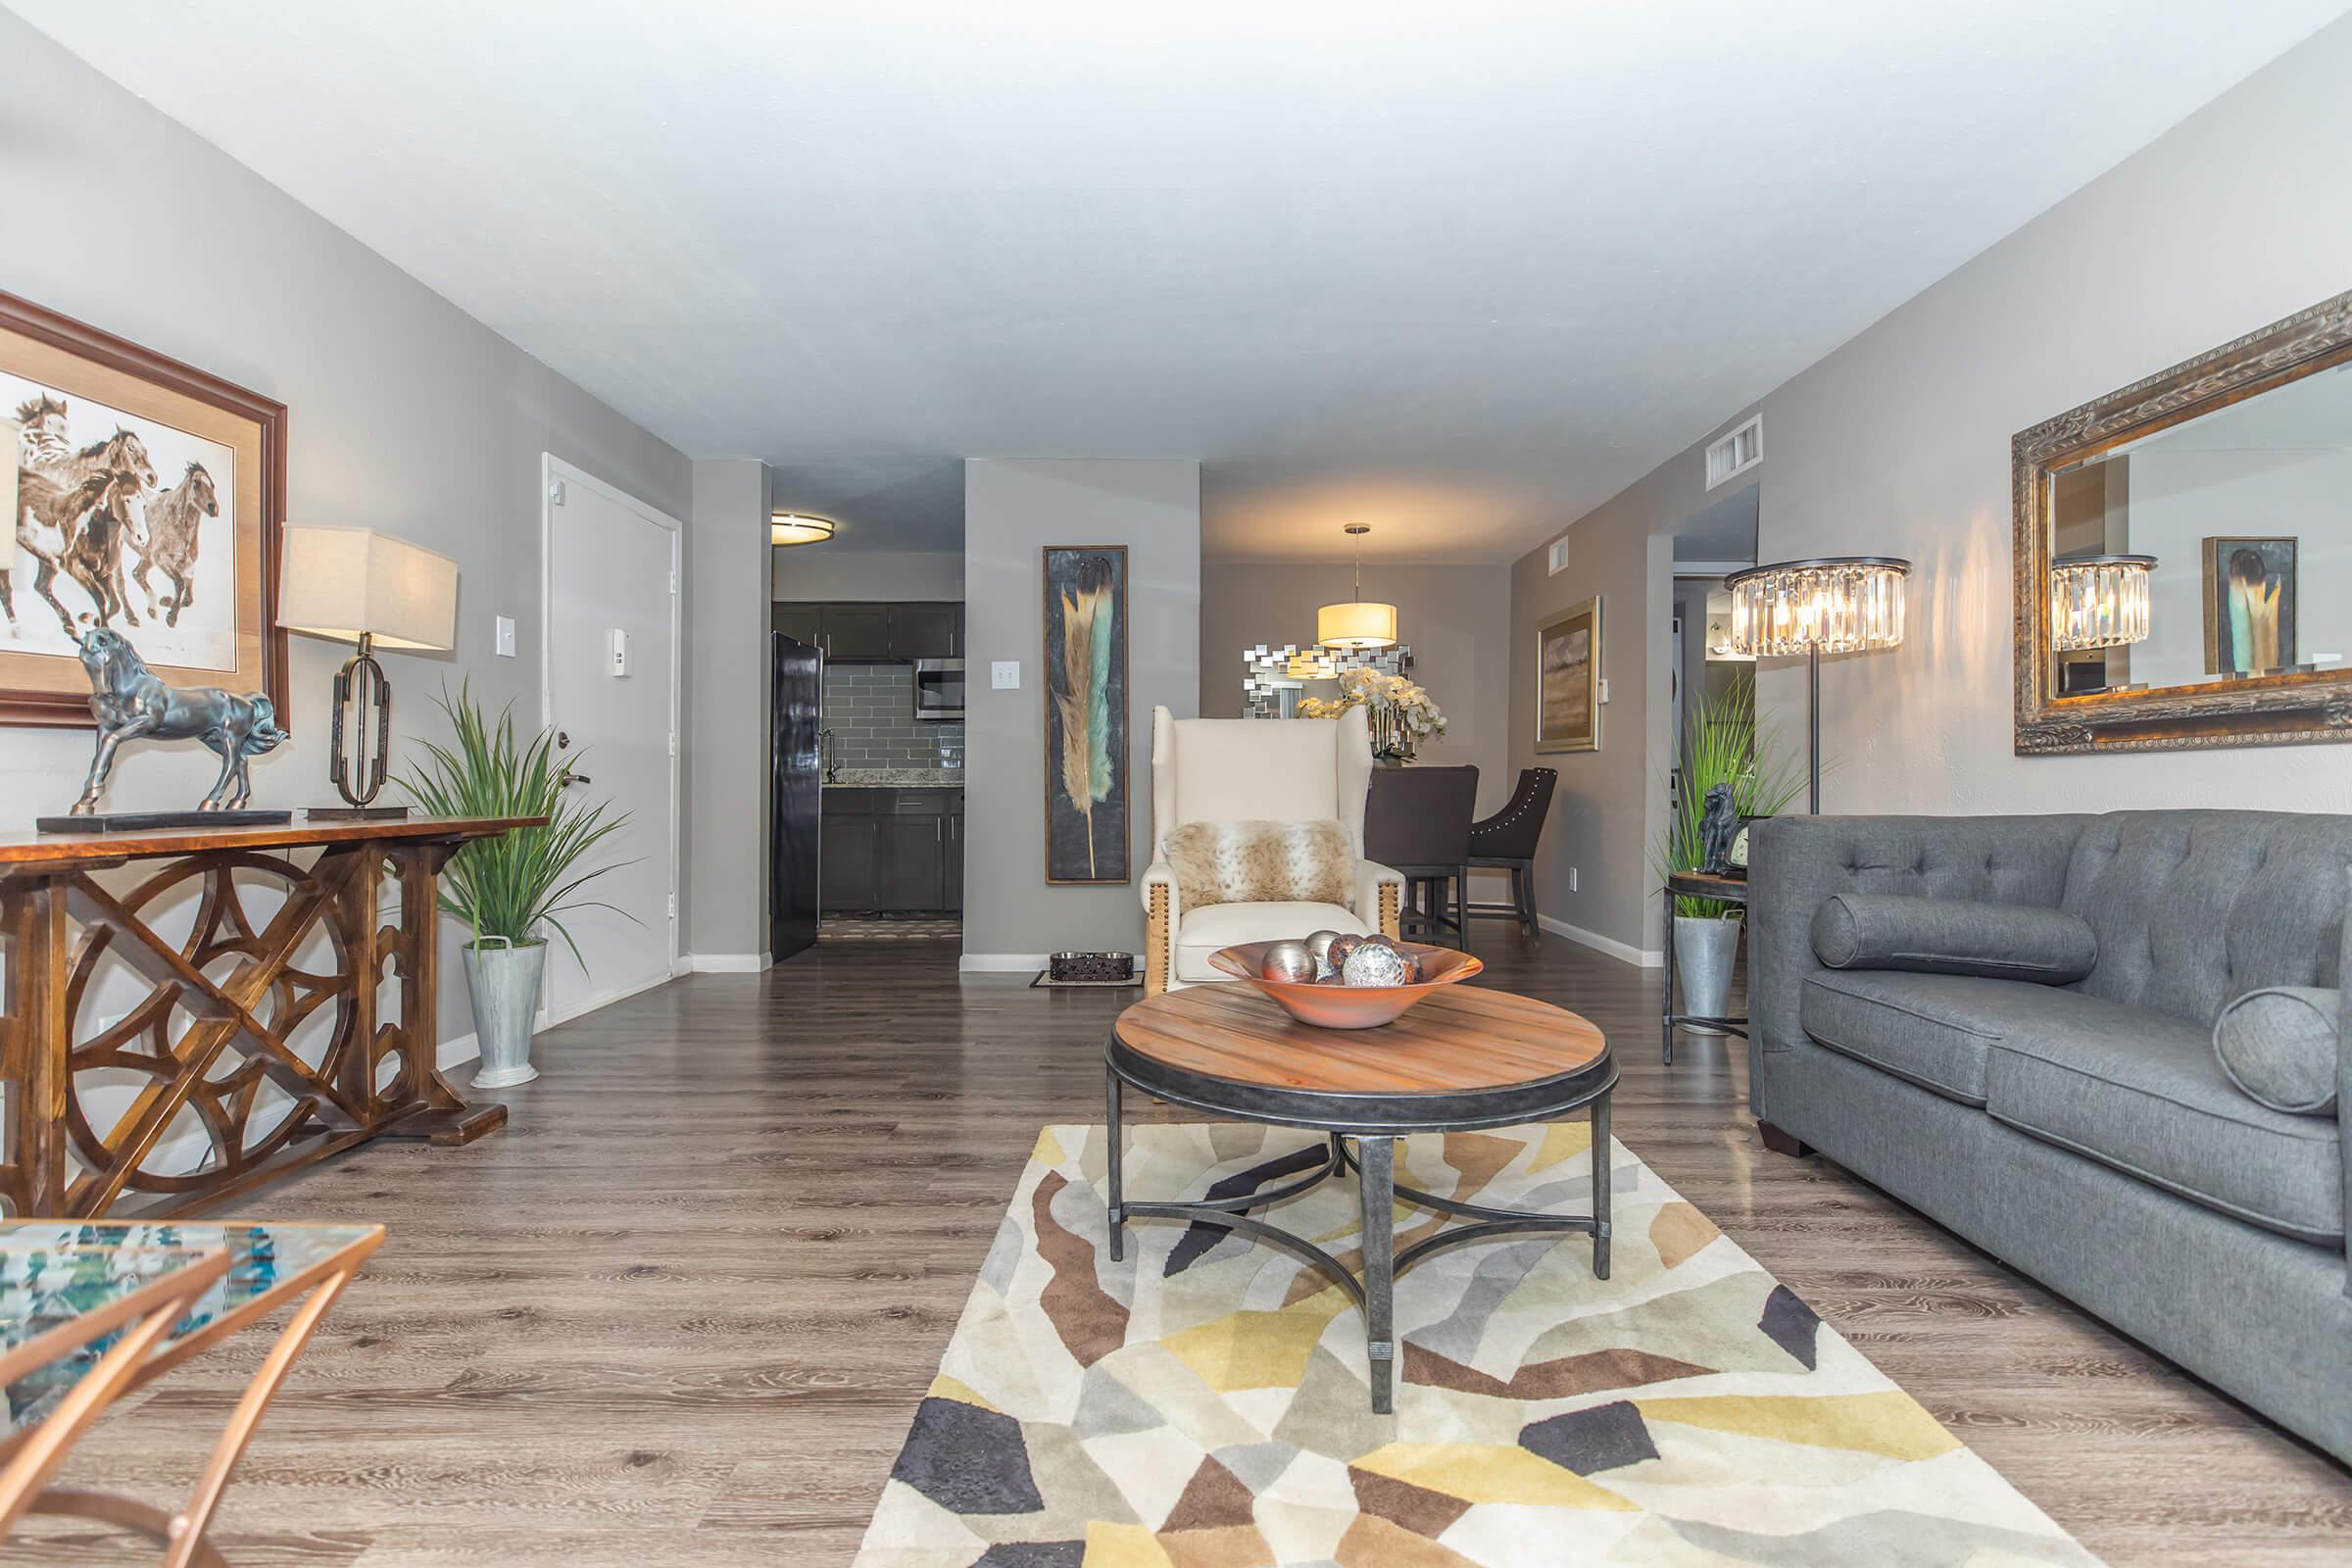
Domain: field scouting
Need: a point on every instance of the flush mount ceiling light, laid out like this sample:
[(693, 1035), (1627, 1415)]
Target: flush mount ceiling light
[(2099, 601), (1360, 622), (797, 529)]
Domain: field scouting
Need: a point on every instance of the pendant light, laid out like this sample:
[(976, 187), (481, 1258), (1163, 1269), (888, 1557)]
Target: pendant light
[(1360, 622)]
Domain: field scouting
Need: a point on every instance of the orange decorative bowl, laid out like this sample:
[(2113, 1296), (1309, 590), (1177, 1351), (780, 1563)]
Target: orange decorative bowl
[(1347, 1007)]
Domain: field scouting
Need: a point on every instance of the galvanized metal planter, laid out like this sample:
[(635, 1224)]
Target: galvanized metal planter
[(503, 982), (1704, 949)]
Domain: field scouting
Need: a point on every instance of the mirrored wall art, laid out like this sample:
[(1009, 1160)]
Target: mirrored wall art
[(1277, 676)]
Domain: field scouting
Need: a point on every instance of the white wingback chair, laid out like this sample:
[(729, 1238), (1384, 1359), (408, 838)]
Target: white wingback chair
[(1255, 769)]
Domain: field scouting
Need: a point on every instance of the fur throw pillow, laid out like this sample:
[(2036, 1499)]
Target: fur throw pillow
[(1262, 862)]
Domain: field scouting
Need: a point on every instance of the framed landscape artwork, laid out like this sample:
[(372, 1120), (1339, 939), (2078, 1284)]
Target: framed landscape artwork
[(148, 497), (1085, 714), (1568, 680), (2249, 605)]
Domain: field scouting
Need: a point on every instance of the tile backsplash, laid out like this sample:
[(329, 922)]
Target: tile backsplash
[(870, 711)]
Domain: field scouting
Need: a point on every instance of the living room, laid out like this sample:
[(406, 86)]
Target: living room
[(1643, 859)]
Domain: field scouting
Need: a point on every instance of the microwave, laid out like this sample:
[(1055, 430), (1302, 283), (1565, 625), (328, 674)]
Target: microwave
[(939, 689)]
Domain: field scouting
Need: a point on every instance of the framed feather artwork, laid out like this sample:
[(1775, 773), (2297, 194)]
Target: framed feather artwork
[(1085, 714)]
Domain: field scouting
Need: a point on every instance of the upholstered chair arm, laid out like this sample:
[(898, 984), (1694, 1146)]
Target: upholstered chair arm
[(1160, 914), (1379, 897), (2343, 1074)]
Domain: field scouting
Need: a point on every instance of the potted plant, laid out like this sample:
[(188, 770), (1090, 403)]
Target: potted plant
[(1727, 746), (513, 889)]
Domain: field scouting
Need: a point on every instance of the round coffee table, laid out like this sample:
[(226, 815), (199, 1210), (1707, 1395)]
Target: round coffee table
[(1466, 1058)]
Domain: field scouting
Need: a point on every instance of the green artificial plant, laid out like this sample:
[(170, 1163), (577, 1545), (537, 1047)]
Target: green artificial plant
[(1725, 744), (515, 884)]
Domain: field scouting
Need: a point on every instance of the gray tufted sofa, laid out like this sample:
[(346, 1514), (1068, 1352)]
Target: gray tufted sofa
[(2085, 1132)]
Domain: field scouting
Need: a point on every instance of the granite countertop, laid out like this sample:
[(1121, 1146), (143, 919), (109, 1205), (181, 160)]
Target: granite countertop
[(867, 778)]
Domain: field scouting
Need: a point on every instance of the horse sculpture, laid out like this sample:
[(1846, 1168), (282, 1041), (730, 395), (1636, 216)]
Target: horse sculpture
[(131, 702), (172, 520)]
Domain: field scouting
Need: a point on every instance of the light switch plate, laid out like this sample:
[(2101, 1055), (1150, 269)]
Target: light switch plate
[(1605, 689), (1005, 675), (506, 636)]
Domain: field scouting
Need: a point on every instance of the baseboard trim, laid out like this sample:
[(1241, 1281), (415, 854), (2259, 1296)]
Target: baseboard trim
[(549, 1018), (1002, 962), (730, 962), (1623, 953)]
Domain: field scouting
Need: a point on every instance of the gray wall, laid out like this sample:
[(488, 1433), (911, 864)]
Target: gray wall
[(809, 573), (1611, 803), (1014, 509), (727, 682), (1450, 617), (406, 414), (870, 711), (1899, 443)]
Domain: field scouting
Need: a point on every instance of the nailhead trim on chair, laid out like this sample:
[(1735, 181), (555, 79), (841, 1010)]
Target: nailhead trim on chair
[(1156, 943)]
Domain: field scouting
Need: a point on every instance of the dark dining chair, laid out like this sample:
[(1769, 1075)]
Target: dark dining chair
[(1507, 842), (1417, 823)]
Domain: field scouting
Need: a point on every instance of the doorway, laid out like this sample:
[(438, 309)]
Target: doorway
[(609, 689)]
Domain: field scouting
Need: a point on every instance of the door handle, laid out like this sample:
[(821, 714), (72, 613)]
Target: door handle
[(570, 779)]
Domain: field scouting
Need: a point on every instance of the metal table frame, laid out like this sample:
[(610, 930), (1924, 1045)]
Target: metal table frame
[(1372, 1123), (1724, 890)]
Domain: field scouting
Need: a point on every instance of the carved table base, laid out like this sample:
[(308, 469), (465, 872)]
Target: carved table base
[(220, 1010)]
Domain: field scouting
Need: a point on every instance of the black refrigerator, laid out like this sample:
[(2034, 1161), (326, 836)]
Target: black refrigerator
[(795, 828)]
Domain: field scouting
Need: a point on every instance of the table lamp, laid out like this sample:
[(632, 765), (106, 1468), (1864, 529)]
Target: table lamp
[(1835, 605), (355, 585)]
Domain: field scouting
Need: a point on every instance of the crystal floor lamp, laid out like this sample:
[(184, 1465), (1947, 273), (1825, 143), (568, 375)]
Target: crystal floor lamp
[(1834, 604)]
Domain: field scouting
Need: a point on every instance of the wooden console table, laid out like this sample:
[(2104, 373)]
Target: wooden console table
[(223, 1007)]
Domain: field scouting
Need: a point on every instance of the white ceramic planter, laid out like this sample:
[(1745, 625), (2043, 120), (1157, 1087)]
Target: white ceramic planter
[(504, 981), (1704, 949)]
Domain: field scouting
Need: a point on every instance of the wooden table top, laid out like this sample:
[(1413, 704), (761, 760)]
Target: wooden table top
[(105, 849), (1462, 1039), (1707, 885)]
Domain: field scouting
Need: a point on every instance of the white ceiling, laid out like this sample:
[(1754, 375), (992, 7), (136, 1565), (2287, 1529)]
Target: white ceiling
[(1459, 270)]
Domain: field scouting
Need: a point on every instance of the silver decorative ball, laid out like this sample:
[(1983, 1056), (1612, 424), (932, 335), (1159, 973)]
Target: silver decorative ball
[(1319, 944), (1287, 961), (1377, 964), (1335, 954)]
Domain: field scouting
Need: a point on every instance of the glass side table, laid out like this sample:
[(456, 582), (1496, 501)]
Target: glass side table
[(91, 1311)]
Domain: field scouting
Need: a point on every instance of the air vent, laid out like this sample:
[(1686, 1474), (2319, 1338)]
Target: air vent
[(1556, 556), (1736, 453)]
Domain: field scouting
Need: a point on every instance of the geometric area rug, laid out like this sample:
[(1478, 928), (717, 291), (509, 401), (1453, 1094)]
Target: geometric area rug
[(1203, 1404)]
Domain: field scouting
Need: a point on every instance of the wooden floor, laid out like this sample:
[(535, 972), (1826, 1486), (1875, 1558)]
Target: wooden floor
[(681, 1311)]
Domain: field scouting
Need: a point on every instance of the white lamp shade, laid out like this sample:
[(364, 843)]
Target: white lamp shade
[(346, 582), (1358, 623)]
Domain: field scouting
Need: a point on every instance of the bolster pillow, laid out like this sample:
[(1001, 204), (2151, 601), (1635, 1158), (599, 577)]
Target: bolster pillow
[(1952, 936), (2280, 1045)]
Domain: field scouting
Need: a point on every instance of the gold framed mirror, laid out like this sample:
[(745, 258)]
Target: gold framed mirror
[(2183, 553)]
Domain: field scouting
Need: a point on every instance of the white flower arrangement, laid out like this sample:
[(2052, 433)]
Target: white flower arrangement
[(1402, 711)]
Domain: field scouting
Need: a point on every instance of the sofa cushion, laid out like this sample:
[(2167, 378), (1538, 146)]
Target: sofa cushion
[(2279, 1044), (1952, 936), (1202, 932), (1262, 862), (2141, 1092), (1932, 1029)]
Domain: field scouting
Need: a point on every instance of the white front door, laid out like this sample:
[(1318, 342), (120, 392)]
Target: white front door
[(611, 693)]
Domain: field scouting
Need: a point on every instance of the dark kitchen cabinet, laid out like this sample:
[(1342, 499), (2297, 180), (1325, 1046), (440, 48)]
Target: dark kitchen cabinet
[(803, 623), (927, 632), (857, 631), (874, 633), (892, 850)]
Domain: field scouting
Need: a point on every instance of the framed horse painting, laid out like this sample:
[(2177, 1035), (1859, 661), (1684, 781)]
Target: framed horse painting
[(148, 498)]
